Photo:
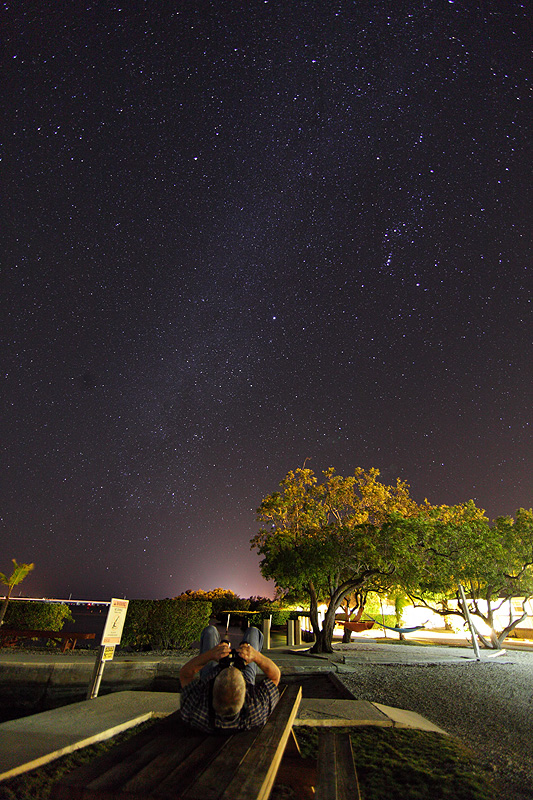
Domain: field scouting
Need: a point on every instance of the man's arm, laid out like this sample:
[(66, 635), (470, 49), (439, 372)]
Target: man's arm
[(192, 667), (271, 670)]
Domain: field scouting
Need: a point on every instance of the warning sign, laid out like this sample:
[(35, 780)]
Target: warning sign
[(108, 652), (116, 617)]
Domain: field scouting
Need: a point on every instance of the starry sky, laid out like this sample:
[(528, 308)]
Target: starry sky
[(240, 235)]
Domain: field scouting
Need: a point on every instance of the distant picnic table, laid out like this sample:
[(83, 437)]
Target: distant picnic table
[(9, 637)]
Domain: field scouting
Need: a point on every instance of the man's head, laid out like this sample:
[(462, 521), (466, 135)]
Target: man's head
[(229, 691)]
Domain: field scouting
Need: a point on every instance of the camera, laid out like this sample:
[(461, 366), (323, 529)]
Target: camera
[(234, 658)]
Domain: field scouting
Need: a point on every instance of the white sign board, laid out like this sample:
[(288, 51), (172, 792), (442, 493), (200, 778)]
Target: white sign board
[(115, 621)]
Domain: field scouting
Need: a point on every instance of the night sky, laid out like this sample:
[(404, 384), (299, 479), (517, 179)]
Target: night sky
[(240, 235)]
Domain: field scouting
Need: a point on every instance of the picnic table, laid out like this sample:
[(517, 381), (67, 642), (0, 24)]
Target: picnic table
[(9, 637), (171, 760)]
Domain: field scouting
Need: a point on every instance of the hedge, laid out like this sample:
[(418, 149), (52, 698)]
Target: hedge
[(279, 616), (164, 624), (32, 615)]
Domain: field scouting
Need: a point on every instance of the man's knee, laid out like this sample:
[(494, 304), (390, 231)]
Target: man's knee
[(254, 637), (209, 638)]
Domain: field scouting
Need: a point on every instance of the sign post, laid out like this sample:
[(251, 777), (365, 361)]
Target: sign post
[(110, 638)]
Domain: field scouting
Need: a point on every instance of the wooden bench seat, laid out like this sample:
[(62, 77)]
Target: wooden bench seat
[(9, 637), (336, 775), (172, 761)]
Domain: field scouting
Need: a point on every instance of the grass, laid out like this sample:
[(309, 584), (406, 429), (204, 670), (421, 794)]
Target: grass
[(409, 764)]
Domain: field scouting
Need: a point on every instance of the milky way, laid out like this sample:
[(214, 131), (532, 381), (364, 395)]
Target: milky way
[(243, 235)]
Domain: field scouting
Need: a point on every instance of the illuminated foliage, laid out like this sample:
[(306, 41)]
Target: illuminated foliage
[(220, 599), (343, 536), (332, 537), (494, 563)]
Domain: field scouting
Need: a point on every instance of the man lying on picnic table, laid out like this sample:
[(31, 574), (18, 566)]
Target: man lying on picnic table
[(225, 697)]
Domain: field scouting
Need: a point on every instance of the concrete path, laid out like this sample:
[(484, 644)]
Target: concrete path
[(355, 713)]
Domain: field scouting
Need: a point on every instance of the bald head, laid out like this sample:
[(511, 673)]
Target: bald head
[(229, 691)]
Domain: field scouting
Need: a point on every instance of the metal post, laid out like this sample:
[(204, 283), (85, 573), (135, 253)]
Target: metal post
[(383, 618), (266, 632), (97, 674), (297, 632), (470, 623), (290, 633)]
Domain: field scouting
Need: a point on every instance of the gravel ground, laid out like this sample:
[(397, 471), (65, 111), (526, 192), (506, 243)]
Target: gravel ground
[(488, 705)]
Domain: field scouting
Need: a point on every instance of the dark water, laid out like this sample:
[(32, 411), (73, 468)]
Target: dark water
[(87, 621)]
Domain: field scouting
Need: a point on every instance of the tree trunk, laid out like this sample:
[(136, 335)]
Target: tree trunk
[(313, 610), (323, 643), (3, 608), (324, 637), (500, 638), (313, 617), (347, 635)]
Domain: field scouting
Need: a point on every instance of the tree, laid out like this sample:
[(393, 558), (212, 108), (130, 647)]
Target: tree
[(333, 538), (17, 576), (494, 563), (353, 605)]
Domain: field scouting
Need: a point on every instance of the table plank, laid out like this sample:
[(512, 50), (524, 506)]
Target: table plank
[(336, 776), (179, 781), (171, 761), (71, 786), (326, 778), (258, 771)]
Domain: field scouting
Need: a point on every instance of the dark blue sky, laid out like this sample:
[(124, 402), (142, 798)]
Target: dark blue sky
[(242, 235)]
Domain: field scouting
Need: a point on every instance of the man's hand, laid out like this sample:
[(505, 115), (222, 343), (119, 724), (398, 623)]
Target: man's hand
[(248, 653), (219, 651), (189, 670)]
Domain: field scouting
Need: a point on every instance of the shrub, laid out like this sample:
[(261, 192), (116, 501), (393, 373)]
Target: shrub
[(136, 631), (177, 623), (31, 615), (165, 624), (265, 610)]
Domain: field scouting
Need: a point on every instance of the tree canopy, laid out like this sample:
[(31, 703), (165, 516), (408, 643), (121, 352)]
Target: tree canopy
[(17, 576), (339, 536), (332, 536), (494, 563)]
